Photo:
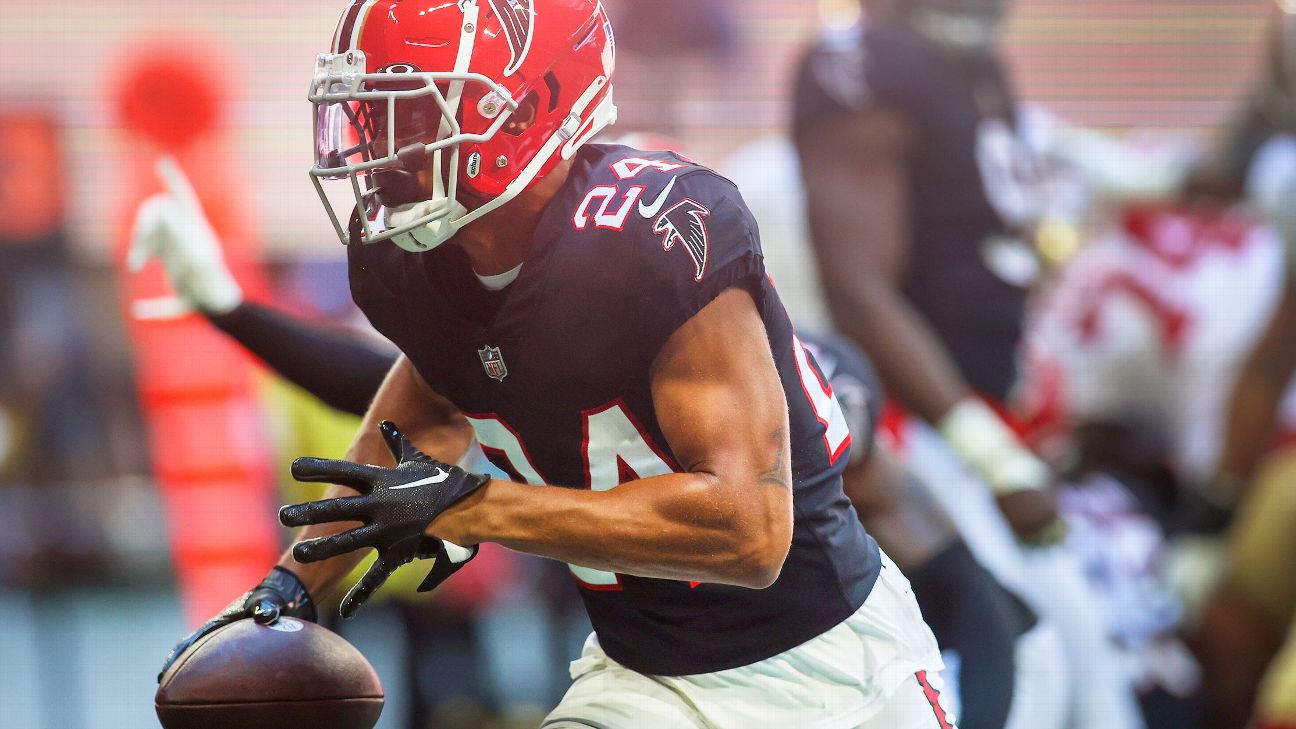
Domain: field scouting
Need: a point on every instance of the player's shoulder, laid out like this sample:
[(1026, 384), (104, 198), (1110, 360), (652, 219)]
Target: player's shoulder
[(655, 210), (861, 68), (654, 232), (652, 170)]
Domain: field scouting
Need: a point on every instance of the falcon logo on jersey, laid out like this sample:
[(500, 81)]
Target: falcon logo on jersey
[(683, 223), (518, 20), (493, 362)]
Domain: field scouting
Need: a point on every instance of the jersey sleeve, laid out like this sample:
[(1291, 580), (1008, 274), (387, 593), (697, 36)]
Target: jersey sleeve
[(297, 350), (702, 241)]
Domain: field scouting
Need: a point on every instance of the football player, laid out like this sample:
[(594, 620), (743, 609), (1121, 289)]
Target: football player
[(970, 614), (610, 339), (920, 196)]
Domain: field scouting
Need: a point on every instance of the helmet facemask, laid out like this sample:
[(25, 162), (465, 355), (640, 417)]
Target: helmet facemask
[(396, 137)]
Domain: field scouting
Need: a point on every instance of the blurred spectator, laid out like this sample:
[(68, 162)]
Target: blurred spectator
[(65, 422)]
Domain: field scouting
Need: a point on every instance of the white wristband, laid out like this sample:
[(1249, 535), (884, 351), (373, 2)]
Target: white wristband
[(981, 438)]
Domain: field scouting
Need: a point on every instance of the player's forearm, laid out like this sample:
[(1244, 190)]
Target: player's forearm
[(337, 367), (681, 526), (1252, 413), (911, 359)]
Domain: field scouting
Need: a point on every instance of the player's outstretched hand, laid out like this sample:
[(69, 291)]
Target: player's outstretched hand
[(172, 226), (395, 505), (1033, 516), (1018, 479), (280, 593)]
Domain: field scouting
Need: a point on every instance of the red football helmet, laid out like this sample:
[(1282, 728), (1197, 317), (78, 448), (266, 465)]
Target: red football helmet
[(439, 113)]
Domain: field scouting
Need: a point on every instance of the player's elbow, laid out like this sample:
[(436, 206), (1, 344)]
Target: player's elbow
[(764, 569), (765, 546)]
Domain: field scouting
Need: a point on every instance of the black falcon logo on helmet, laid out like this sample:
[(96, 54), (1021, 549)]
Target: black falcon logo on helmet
[(683, 223), (518, 20)]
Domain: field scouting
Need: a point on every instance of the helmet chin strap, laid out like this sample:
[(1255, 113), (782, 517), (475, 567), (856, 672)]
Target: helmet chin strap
[(429, 235), (404, 201)]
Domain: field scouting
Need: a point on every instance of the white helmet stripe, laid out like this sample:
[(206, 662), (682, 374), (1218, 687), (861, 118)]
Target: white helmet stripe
[(344, 28), (467, 42), (463, 60), (358, 28)]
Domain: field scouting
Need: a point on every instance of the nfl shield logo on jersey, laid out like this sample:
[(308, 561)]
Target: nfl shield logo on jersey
[(493, 362)]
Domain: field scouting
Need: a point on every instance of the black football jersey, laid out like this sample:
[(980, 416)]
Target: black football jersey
[(553, 373), (972, 184)]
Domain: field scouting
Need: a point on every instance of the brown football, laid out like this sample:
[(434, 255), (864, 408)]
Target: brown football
[(291, 675)]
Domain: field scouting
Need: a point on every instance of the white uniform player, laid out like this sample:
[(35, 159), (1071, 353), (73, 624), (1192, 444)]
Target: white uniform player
[(1151, 321)]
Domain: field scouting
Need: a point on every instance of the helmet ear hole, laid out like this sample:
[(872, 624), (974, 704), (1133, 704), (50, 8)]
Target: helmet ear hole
[(523, 116), (551, 82)]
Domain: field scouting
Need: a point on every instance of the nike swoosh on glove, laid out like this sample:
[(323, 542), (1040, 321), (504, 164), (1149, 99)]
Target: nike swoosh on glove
[(395, 505)]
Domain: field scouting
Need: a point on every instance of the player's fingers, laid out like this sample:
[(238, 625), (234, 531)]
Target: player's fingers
[(175, 182), (401, 449), (358, 476), (150, 217), (448, 560), (378, 573), (187, 642), (458, 554), (346, 508), (315, 550)]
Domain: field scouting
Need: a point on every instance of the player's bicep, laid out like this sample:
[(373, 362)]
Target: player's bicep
[(857, 200), (718, 396)]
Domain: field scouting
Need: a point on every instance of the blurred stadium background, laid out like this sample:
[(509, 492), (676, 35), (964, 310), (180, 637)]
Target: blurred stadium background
[(87, 587)]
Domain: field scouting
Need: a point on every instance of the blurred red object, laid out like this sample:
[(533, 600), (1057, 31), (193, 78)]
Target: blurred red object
[(206, 428), (170, 94), (31, 179)]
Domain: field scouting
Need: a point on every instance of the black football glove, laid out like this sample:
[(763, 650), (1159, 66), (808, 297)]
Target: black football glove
[(395, 505), (280, 593)]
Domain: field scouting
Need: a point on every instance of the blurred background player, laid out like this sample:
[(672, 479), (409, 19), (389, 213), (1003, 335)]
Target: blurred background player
[(922, 202), (1006, 666), (1005, 663)]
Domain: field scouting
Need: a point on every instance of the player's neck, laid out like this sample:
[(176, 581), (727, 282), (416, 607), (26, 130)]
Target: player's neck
[(505, 238)]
